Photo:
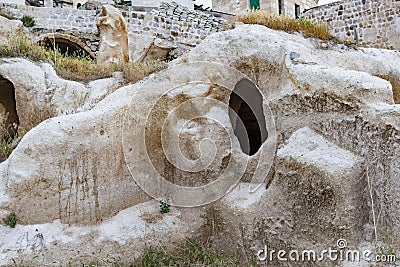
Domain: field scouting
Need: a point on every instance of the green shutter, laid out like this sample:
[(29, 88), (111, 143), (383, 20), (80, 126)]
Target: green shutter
[(254, 4)]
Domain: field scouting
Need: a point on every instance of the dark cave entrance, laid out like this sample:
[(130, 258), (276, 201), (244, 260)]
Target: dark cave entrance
[(247, 116), (65, 47), (8, 110)]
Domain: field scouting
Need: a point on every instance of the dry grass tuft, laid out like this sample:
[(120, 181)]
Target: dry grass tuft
[(80, 68), (76, 67), (307, 27), (19, 45), (134, 72)]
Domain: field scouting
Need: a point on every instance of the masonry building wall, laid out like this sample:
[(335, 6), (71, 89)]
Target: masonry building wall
[(288, 7), (171, 22), (174, 23), (373, 23)]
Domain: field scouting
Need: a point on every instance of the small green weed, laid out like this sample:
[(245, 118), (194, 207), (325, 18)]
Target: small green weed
[(165, 206), (191, 254), (11, 220), (7, 146), (28, 21)]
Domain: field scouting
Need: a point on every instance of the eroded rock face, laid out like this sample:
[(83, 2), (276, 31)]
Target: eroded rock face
[(148, 48), (337, 128), (40, 94), (113, 36), (139, 45), (347, 98), (316, 198)]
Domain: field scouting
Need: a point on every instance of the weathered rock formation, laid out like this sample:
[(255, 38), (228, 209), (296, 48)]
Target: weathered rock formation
[(146, 48), (334, 173), (33, 92), (113, 36)]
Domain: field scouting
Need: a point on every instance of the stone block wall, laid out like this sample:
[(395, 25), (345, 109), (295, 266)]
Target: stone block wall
[(171, 21), (174, 23), (371, 23), (87, 41), (50, 18)]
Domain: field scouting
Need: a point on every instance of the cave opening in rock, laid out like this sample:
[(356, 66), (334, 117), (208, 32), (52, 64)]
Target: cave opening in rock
[(247, 116), (8, 111), (64, 46)]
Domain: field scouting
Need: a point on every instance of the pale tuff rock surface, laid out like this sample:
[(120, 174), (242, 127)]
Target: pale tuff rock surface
[(40, 93), (113, 36), (127, 233), (139, 44), (144, 47), (337, 129)]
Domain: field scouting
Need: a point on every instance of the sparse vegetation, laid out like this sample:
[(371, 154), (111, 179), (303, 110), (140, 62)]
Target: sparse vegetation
[(307, 27), (192, 254), (19, 45), (9, 139), (76, 67), (79, 67), (82, 68), (165, 206), (136, 71), (28, 21), (11, 220), (7, 146)]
